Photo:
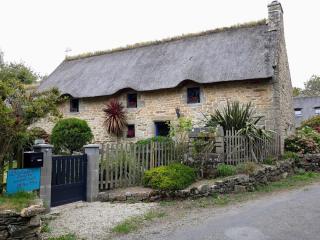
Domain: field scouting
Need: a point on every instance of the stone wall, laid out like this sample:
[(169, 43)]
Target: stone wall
[(232, 184), (21, 225), (161, 106)]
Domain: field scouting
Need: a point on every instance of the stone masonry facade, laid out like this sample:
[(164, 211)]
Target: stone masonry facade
[(161, 105)]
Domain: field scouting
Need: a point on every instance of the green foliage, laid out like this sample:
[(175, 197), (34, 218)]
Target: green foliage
[(313, 122), (312, 86), (296, 91), (224, 170), (180, 130), (234, 116), (64, 237), (71, 134), (133, 223), (269, 161), (17, 201), (172, 177), (19, 72), (18, 110), (246, 168), (290, 155), (159, 139), (301, 144)]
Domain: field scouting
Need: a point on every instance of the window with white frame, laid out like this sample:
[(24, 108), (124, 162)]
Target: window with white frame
[(317, 110), (298, 112)]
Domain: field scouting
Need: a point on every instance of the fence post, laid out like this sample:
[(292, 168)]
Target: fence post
[(92, 151), (46, 173), (219, 141)]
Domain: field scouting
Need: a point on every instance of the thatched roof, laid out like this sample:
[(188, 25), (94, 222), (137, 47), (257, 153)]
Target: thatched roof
[(231, 54)]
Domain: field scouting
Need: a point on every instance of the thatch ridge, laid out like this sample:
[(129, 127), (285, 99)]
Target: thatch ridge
[(166, 40)]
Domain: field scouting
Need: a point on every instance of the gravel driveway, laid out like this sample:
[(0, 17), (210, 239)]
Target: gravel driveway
[(92, 220)]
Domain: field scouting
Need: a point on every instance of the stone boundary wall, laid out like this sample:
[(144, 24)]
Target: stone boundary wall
[(233, 184), (21, 225)]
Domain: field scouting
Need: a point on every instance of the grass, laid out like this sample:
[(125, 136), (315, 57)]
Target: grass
[(133, 223), (17, 201), (64, 237)]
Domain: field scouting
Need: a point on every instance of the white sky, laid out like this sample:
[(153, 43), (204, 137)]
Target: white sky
[(37, 32)]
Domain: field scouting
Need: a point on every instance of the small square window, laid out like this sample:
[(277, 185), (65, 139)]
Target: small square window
[(298, 112), (131, 131), (74, 105), (317, 110), (193, 95), (132, 100)]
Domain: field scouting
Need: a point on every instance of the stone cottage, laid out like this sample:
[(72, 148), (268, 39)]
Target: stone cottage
[(190, 75)]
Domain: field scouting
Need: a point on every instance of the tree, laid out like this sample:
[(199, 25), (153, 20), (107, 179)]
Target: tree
[(296, 91), (20, 72), (312, 86), (71, 134), (18, 110)]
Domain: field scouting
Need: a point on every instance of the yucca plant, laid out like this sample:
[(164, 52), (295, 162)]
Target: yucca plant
[(116, 119), (242, 118), (233, 116)]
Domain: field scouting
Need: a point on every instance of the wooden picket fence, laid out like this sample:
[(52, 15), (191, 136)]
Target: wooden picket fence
[(238, 149), (123, 165)]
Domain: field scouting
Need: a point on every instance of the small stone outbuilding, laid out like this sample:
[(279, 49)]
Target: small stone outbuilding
[(189, 75)]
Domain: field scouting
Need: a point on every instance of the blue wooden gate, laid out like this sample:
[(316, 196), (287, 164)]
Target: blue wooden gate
[(69, 179)]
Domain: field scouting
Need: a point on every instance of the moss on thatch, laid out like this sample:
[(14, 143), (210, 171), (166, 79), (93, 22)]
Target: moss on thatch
[(156, 42)]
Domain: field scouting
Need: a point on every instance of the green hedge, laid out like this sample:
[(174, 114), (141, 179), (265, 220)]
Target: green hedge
[(172, 177), (71, 134)]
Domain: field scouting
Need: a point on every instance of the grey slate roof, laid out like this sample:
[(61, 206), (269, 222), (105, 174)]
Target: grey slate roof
[(235, 54)]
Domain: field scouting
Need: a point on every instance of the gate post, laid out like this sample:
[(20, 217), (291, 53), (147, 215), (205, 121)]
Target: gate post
[(93, 156), (46, 173), (220, 141)]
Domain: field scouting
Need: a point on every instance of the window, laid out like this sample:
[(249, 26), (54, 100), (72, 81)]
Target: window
[(74, 105), (193, 95), (131, 131), (132, 100), (162, 128), (298, 112), (317, 110)]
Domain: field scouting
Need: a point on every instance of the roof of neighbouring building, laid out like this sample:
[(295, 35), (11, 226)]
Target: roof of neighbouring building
[(242, 52)]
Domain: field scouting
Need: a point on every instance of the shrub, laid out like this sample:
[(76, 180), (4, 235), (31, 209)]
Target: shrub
[(301, 144), (224, 170), (246, 168), (290, 155), (313, 122), (269, 161), (71, 134), (160, 139), (172, 177)]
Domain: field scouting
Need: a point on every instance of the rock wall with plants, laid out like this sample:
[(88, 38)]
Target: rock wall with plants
[(25, 224)]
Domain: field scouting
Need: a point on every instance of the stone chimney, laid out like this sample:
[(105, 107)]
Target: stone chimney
[(275, 15)]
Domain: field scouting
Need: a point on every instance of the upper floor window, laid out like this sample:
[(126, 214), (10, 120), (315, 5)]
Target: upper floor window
[(317, 110), (193, 95), (298, 112), (74, 105), (132, 100), (131, 131)]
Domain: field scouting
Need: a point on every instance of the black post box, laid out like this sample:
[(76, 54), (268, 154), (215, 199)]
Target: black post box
[(33, 159)]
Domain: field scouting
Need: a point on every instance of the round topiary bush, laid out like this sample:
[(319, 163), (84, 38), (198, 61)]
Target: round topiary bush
[(71, 134), (172, 177)]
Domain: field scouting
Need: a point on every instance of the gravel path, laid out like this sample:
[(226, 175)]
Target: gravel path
[(92, 220)]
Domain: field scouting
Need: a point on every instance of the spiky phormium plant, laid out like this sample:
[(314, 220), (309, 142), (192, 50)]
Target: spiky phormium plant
[(116, 119)]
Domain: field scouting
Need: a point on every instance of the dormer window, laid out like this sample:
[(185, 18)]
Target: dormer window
[(74, 105), (132, 100), (317, 110), (193, 95)]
